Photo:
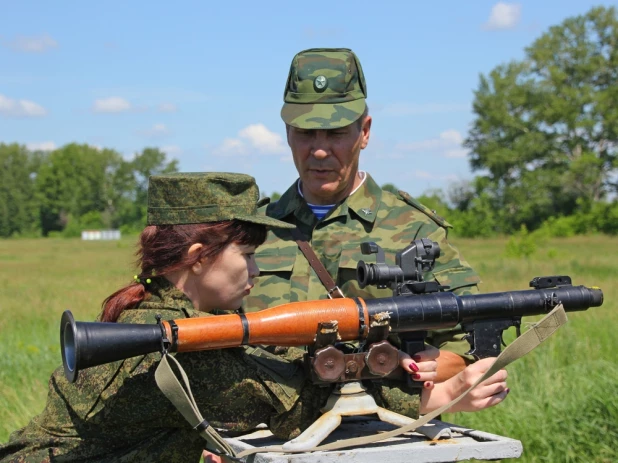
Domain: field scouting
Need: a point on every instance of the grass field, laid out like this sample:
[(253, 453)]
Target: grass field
[(563, 404)]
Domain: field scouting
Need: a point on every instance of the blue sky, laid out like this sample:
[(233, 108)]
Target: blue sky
[(204, 80)]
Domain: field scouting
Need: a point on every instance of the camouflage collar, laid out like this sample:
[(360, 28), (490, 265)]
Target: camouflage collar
[(291, 203), (161, 293), (364, 203)]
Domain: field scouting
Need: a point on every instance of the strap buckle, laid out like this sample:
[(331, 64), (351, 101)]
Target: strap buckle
[(338, 293)]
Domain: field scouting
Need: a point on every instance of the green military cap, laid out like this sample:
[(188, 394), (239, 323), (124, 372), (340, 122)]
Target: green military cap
[(325, 89), (201, 197)]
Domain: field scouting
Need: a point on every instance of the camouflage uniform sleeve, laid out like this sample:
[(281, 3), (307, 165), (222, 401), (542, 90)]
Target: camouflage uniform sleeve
[(451, 268), (390, 395)]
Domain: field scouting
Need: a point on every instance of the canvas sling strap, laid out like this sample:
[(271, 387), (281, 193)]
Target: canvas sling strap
[(171, 387), (332, 290), (183, 400)]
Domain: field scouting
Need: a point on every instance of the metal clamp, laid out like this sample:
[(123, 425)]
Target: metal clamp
[(168, 345), (337, 290)]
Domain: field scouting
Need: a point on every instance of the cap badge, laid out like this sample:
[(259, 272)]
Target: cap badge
[(320, 83), (367, 212)]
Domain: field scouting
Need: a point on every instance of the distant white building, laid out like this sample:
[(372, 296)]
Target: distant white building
[(91, 235)]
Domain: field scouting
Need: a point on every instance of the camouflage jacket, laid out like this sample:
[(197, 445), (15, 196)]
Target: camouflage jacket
[(116, 413), (370, 214)]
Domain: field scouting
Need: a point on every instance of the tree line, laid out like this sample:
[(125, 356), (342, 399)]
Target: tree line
[(74, 187), (543, 142)]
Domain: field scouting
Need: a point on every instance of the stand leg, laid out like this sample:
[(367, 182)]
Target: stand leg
[(351, 399)]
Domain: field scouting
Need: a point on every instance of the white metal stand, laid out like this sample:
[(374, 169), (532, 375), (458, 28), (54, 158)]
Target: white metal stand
[(464, 444)]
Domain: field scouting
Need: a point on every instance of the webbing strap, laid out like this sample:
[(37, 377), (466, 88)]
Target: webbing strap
[(183, 400), (332, 290), (517, 349)]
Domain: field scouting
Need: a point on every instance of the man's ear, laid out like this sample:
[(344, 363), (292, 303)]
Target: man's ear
[(287, 133), (366, 131), (195, 250)]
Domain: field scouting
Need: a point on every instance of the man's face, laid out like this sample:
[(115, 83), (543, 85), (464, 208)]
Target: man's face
[(327, 160)]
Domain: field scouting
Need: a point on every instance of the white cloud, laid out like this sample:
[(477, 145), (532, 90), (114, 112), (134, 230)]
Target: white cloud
[(20, 108), (422, 174), (167, 108), (255, 138), (263, 139), (35, 44), (503, 16), (172, 150), (113, 104), (41, 146), (405, 109), (456, 153), (449, 139), (452, 136), (230, 146), (429, 176), (156, 131), (447, 144)]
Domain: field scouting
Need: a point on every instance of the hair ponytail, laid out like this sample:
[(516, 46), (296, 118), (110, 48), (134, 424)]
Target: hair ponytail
[(125, 298)]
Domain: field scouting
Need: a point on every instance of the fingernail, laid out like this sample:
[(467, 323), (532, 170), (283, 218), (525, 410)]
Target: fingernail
[(507, 390), (413, 366), (416, 376), (427, 384), (416, 358)]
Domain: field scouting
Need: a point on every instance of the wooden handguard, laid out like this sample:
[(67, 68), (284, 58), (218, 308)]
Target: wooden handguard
[(292, 324)]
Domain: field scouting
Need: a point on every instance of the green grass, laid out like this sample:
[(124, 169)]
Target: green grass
[(563, 404), (39, 279)]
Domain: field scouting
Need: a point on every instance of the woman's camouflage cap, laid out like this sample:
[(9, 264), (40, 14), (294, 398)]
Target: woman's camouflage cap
[(325, 89), (201, 197)]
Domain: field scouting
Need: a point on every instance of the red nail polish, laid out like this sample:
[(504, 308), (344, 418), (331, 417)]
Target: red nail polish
[(427, 384), (416, 358), (416, 376), (413, 367)]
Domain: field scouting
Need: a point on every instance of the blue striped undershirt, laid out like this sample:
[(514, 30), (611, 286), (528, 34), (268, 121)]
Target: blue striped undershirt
[(320, 210)]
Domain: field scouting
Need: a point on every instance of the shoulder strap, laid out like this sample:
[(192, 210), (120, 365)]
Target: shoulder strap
[(185, 403), (424, 209), (333, 291)]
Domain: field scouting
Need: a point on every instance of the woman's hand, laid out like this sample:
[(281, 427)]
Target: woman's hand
[(422, 366), (490, 392)]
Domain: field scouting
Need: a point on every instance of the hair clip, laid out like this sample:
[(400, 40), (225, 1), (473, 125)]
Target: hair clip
[(137, 280)]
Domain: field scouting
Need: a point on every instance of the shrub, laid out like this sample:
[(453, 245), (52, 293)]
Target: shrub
[(522, 244), (604, 217)]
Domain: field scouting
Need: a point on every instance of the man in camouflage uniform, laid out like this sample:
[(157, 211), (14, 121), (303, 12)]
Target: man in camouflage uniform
[(327, 125)]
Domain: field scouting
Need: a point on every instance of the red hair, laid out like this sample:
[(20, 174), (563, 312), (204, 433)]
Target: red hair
[(163, 249)]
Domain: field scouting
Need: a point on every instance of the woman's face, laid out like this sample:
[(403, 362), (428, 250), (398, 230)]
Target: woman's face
[(228, 279)]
